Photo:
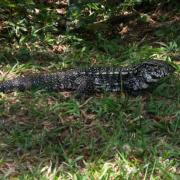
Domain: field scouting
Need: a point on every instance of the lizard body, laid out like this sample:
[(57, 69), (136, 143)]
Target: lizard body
[(84, 81)]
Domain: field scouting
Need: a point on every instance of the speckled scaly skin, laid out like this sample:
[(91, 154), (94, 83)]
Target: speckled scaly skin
[(85, 81)]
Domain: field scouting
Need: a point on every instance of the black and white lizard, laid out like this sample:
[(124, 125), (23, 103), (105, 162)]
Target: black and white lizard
[(132, 79)]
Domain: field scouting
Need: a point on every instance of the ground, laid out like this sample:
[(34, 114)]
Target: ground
[(48, 135)]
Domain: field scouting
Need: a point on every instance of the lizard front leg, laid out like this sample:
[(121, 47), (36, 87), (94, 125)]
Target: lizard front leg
[(135, 85)]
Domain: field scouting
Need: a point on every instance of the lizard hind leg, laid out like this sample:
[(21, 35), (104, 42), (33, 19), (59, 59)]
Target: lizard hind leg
[(85, 87)]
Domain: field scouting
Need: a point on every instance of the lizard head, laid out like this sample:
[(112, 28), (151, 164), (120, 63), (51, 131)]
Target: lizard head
[(146, 74), (154, 70)]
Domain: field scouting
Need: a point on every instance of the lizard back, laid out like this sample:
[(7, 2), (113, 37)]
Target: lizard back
[(131, 78)]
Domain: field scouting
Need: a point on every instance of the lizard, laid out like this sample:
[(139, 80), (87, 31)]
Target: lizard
[(131, 79)]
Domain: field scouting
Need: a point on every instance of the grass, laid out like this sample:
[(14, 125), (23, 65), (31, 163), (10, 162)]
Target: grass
[(51, 135), (46, 135)]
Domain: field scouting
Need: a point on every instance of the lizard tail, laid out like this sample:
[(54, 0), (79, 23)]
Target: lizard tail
[(53, 81), (17, 84)]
